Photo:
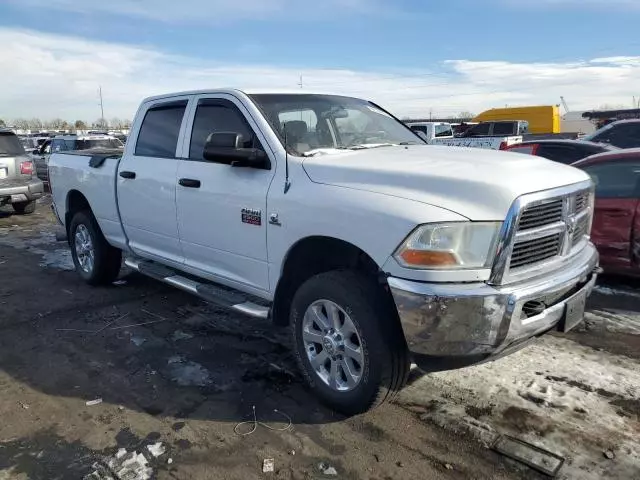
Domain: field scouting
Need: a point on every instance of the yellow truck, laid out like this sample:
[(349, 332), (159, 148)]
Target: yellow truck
[(542, 119)]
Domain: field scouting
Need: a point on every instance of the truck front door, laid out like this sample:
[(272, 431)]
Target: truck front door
[(146, 183), (222, 209)]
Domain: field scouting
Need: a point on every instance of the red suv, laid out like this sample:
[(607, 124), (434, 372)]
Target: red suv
[(616, 222)]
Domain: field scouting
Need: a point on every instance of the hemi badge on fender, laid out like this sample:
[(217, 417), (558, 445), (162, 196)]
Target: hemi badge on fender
[(251, 216)]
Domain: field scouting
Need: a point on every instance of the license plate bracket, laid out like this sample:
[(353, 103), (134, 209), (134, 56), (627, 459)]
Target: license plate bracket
[(574, 310)]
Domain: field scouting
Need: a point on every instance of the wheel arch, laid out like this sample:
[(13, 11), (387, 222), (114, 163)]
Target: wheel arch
[(76, 202), (313, 255)]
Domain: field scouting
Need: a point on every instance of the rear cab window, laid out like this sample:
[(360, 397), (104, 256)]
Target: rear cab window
[(10, 145), (160, 130)]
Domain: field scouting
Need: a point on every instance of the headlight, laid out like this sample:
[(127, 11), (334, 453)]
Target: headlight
[(461, 245)]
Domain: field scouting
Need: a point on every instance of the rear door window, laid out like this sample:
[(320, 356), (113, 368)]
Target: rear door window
[(503, 128), (480, 130), (160, 130), (443, 131), (562, 153)]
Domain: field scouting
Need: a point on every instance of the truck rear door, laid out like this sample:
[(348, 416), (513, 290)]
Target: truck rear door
[(221, 208), (146, 183), (616, 204)]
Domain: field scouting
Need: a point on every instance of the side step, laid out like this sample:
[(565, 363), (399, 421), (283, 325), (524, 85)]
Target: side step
[(219, 295)]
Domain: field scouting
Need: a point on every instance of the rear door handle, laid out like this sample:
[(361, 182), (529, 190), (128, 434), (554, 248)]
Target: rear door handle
[(126, 174), (189, 183)]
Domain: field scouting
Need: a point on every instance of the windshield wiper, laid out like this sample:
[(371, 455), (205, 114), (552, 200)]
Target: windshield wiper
[(364, 146)]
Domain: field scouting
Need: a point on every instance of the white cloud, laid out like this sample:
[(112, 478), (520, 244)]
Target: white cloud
[(56, 76), (211, 11)]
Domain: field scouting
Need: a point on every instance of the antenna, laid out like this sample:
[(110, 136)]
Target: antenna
[(287, 182), (101, 107)]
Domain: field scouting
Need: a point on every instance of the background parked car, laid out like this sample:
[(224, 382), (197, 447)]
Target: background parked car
[(65, 143), (18, 185), (563, 151), (621, 134), (616, 223)]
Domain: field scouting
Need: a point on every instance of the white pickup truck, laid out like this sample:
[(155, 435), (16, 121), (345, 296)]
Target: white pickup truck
[(328, 215), (489, 135)]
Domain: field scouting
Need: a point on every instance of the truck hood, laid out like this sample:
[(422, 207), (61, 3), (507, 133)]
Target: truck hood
[(477, 184)]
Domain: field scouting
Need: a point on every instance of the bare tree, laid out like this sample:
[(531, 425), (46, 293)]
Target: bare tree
[(35, 124), (466, 115), (2, 123), (80, 125), (611, 106), (56, 123), (100, 123), (126, 123), (115, 123), (21, 123)]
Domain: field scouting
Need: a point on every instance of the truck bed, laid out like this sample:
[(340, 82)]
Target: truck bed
[(95, 173)]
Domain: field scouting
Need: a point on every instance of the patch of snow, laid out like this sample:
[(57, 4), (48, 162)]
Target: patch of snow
[(188, 373), (156, 449), (615, 291), (556, 394), (180, 335), (138, 341), (124, 465), (618, 322)]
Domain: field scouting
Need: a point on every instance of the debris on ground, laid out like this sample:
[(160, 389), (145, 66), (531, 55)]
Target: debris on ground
[(268, 465), (24, 405), (609, 454), (124, 465), (448, 466), (91, 403), (327, 469), (138, 341), (156, 449)]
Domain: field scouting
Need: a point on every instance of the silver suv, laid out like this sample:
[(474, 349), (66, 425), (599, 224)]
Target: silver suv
[(18, 184)]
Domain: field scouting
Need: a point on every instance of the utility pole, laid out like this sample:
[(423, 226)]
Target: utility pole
[(101, 106), (300, 82)]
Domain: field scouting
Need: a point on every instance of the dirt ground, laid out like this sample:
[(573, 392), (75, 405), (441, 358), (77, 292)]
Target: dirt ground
[(173, 390)]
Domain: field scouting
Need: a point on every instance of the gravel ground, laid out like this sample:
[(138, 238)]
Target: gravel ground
[(164, 397)]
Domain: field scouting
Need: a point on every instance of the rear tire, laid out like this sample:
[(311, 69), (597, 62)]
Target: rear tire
[(373, 363), (24, 208), (97, 262)]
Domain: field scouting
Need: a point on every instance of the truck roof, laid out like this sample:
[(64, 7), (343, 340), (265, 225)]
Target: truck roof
[(235, 91)]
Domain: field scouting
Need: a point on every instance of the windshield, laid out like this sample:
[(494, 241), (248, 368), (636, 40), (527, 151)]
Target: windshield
[(313, 122), (10, 144), (598, 134)]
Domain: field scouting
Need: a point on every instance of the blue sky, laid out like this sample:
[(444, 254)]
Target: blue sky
[(455, 55)]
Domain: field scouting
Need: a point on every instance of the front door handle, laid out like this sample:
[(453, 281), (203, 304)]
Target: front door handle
[(130, 175), (189, 183)]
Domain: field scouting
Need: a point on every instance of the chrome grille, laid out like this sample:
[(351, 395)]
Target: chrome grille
[(580, 230), (549, 228), (581, 201), (536, 250), (542, 214)]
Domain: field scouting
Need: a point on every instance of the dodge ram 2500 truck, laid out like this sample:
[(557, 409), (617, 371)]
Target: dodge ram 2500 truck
[(327, 214)]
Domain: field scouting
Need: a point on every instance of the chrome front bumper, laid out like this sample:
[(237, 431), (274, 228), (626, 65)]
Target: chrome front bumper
[(478, 321)]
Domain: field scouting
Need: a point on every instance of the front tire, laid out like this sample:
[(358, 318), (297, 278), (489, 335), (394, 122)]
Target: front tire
[(24, 208), (348, 342), (97, 262)]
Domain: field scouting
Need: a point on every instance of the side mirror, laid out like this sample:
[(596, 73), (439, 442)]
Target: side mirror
[(35, 151), (228, 147)]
